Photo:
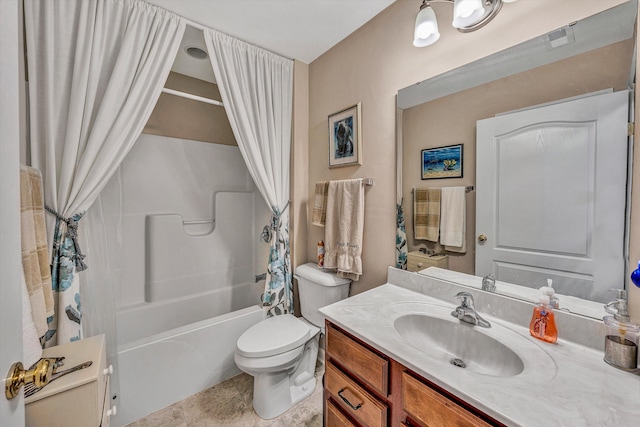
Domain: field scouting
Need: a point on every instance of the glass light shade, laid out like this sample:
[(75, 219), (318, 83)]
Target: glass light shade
[(426, 30), (467, 12)]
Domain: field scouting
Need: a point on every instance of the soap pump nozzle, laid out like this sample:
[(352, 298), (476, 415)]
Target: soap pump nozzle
[(620, 307), (550, 292)]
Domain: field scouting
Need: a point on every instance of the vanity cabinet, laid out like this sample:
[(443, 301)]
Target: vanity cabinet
[(356, 382), (364, 387), (417, 261), (81, 398)]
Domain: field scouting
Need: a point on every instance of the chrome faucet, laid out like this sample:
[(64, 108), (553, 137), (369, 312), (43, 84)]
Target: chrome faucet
[(489, 283), (467, 313)]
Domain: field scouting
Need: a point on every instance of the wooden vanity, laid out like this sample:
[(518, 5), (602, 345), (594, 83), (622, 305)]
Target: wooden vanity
[(364, 387)]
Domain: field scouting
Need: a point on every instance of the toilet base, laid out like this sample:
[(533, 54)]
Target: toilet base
[(275, 392), (273, 395)]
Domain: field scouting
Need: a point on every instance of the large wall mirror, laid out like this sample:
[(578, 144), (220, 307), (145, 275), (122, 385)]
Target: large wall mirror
[(589, 59)]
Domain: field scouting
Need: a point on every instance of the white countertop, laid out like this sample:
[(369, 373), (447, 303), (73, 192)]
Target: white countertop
[(563, 384)]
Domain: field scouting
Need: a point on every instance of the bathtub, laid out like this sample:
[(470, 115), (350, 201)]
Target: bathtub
[(168, 353)]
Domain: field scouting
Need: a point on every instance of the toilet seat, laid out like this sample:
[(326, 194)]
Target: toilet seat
[(274, 335)]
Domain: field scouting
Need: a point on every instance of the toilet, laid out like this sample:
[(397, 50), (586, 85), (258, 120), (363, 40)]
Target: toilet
[(280, 352)]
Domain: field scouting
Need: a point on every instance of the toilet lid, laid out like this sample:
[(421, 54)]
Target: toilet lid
[(273, 335)]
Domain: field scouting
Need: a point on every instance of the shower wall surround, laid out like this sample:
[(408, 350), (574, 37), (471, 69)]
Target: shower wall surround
[(164, 175)]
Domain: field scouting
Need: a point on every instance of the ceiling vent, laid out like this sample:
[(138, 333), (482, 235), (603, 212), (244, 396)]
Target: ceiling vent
[(196, 52)]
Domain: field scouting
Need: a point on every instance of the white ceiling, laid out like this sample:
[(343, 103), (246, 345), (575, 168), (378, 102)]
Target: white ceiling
[(297, 29)]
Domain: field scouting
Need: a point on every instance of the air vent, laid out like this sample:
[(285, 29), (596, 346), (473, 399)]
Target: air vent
[(196, 52)]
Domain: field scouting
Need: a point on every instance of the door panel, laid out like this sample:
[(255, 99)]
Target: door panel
[(11, 411), (551, 195)]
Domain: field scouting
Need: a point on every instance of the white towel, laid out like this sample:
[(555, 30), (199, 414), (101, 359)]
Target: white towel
[(31, 348), (453, 210), (344, 228)]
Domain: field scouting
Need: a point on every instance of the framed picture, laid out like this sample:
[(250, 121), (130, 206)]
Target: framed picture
[(442, 162), (345, 140)]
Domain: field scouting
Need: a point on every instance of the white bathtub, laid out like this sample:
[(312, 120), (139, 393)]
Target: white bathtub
[(157, 369)]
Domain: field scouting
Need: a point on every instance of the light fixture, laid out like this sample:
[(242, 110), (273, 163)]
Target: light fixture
[(426, 31), (468, 15)]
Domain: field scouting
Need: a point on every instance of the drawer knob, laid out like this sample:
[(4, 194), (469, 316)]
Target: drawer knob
[(108, 371), (113, 411), (354, 407), (420, 264)]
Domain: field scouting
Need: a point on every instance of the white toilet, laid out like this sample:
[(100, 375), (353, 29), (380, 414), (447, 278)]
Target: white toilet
[(280, 352)]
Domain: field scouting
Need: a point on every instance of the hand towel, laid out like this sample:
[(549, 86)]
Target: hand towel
[(35, 249), (31, 348), (344, 228), (319, 214), (426, 214), (453, 219)]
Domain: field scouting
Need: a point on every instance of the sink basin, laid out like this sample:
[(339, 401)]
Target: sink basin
[(465, 346)]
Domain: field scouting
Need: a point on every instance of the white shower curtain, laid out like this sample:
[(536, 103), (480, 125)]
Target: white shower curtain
[(257, 91), (96, 69)]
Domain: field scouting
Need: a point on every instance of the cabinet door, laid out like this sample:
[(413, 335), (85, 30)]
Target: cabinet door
[(432, 409)]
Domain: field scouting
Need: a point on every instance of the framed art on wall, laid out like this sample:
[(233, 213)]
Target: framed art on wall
[(345, 141), (442, 162)]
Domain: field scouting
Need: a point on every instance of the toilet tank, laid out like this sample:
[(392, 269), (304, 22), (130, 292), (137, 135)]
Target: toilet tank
[(317, 288)]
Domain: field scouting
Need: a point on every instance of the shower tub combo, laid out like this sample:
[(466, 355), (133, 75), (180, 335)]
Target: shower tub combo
[(188, 290)]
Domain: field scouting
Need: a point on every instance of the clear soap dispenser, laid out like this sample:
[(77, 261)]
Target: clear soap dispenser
[(621, 340)]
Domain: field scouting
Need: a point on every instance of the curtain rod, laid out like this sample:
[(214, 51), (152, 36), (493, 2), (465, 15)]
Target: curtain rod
[(191, 96), (198, 26)]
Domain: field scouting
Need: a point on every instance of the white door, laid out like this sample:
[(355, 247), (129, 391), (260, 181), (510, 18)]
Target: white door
[(11, 411), (551, 191)]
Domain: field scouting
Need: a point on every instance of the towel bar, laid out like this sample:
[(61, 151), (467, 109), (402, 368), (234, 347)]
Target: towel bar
[(467, 189)]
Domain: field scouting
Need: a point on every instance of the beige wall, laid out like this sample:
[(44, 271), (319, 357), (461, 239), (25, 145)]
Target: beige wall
[(299, 172), (371, 65), (452, 120), (179, 117)]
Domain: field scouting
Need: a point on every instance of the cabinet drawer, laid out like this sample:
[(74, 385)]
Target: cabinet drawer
[(433, 409), (359, 360), (334, 417), (358, 403)]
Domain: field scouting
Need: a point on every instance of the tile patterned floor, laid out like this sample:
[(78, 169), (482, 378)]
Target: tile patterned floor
[(229, 404)]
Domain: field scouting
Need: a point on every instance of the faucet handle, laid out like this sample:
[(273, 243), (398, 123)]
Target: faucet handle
[(466, 297)]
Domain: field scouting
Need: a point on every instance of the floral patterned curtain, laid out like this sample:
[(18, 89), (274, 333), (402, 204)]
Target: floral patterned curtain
[(278, 295), (401, 238)]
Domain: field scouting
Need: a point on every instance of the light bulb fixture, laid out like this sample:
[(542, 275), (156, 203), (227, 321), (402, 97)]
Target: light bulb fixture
[(468, 15), (426, 29), (467, 12)]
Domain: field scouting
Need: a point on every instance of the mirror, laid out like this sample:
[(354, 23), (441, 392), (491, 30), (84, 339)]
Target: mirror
[(592, 55)]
